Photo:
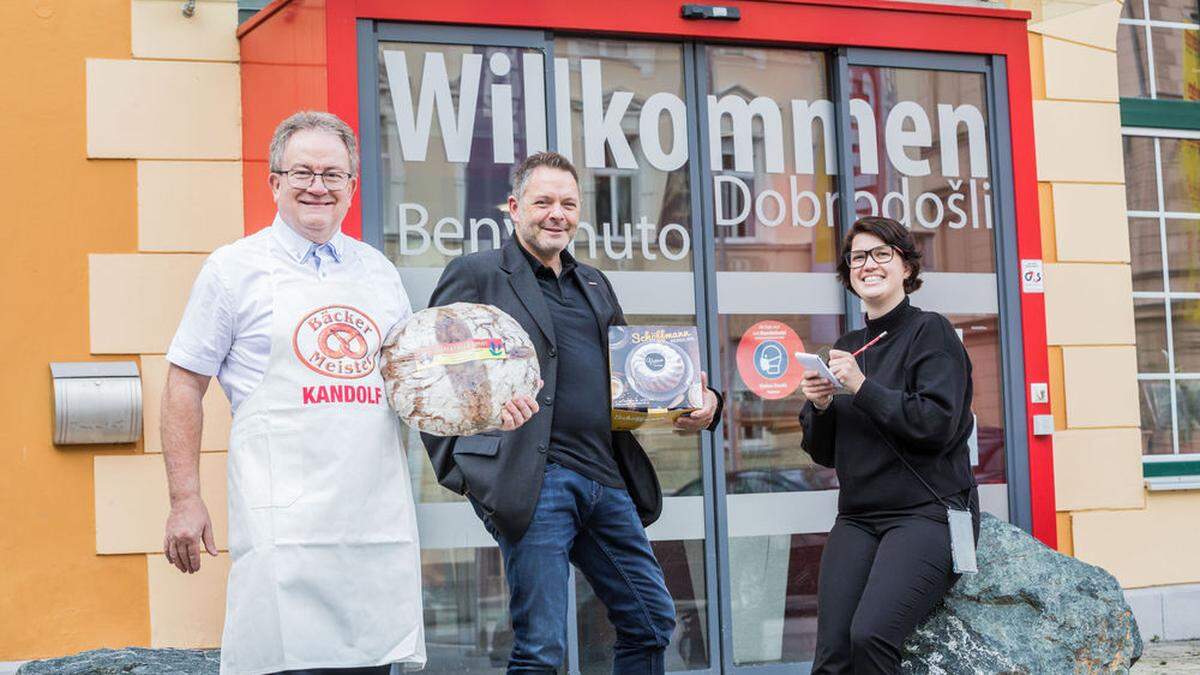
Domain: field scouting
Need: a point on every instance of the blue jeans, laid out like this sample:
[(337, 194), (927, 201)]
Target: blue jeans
[(580, 521)]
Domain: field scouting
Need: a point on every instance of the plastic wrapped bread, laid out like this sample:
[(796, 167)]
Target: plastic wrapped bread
[(449, 370)]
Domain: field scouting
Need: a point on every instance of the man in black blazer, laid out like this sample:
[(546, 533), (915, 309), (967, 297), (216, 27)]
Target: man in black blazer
[(561, 487)]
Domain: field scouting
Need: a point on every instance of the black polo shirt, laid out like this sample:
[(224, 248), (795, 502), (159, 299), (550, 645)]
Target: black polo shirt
[(581, 430)]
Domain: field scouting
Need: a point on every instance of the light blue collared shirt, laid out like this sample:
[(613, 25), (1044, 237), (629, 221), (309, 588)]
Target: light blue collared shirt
[(307, 252)]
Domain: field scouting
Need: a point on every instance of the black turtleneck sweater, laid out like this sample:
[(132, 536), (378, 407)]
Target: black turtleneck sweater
[(918, 392)]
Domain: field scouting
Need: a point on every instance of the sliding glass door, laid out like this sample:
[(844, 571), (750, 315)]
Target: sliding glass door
[(716, 183)]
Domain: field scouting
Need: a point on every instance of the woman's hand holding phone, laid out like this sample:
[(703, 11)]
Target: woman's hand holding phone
[(817, 389)]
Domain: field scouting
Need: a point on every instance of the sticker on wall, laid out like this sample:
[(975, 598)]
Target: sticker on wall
[(764, 362), (1031, 276)]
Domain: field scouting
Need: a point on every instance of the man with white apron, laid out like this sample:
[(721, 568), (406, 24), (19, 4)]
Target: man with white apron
[(326, 571)]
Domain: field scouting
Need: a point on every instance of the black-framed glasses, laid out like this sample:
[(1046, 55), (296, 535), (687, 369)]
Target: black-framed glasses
[(880, 254), (302, 179)]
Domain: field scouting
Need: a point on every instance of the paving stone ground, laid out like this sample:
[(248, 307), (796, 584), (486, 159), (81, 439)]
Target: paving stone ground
[(1169, 658), (1159, 658)]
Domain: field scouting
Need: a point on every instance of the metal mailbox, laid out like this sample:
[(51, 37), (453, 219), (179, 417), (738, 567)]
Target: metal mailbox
[(96, 402)]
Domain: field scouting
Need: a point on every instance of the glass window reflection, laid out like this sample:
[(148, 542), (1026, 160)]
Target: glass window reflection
[(1183, 251), (1183, 11), (1175, 56), (1181, 174), (1133, 64), (1141, 187), (445, 188), (1150, 321), (1185, 329), (636, 181), (1188, 400), (1154, 397), (1145, 247), (1167, 315), (466, 610)]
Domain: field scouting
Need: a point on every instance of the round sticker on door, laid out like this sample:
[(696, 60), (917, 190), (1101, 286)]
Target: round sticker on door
[(764, 359)]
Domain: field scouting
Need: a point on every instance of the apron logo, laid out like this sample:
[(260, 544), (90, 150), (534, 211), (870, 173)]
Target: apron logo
[(341, 340), (337, 341)]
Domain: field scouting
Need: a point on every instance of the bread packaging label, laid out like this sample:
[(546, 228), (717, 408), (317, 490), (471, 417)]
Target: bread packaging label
[(655, 374), (448, 371)]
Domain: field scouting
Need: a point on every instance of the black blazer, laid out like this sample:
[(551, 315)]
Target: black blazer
[(503, 471)]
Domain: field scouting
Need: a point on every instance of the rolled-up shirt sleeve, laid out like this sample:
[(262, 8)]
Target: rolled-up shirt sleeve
[(205, 332)]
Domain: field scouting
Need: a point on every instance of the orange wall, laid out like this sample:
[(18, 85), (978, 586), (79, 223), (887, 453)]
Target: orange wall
[(56, 595)]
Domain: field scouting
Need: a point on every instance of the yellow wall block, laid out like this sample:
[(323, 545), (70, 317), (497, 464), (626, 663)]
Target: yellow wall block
[(1101, 386), (1054, 8), (1058, 394), (1062, 524), (1144, 547), (1078, 142), (1090, 223), (160, 30), (163, 110), (135, 301), (188, 206), (1089, 304), (1078, 72), (214, 435), (1098, 469), (1046, 219), (1089, 23), (1037, 70), (132, 502), (187, 610)]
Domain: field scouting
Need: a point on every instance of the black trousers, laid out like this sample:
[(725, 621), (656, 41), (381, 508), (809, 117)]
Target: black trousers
[(881, 575)]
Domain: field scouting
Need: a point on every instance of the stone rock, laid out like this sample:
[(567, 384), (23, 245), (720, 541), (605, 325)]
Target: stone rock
[(130, 661), (1029, 610)]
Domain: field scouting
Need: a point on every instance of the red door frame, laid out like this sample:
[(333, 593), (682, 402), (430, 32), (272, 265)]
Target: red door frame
[(304, 53)]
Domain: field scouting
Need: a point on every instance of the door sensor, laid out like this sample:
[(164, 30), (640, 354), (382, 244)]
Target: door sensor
[(711, 12)]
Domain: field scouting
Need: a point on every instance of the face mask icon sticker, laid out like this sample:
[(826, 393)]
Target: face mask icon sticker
[(771, 360), (764, 359)]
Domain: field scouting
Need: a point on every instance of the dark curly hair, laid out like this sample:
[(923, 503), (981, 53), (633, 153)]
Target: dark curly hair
[(893, 234)]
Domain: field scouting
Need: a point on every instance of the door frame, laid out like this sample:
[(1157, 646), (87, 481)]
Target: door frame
[(856, 31)]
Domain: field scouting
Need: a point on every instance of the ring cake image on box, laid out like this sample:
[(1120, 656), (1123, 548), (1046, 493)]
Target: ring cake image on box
[(655, 373)]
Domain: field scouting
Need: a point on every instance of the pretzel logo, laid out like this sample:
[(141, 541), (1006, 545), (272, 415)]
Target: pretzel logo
[(341, 340), (337, 341)]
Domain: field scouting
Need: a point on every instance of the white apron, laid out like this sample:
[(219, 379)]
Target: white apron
[(326, 566)]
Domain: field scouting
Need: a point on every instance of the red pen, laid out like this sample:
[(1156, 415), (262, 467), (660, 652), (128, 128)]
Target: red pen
[(864, 347)]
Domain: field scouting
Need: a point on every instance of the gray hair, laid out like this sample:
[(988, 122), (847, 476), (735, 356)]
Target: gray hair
[(550, 160), (306, 120)]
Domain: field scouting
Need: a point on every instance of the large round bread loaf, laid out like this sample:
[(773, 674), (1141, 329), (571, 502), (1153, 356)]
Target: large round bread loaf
[(449, 370)]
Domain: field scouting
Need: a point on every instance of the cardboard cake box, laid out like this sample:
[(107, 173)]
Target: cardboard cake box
[(655, 374)]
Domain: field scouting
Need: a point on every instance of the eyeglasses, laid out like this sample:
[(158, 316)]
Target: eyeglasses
[(880, 254), (302, 179)]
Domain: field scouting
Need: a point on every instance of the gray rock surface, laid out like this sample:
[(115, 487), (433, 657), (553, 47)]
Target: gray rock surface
[(1029, 610), (130, 661)]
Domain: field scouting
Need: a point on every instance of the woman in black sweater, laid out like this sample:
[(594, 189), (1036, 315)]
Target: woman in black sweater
[(887, 561)]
